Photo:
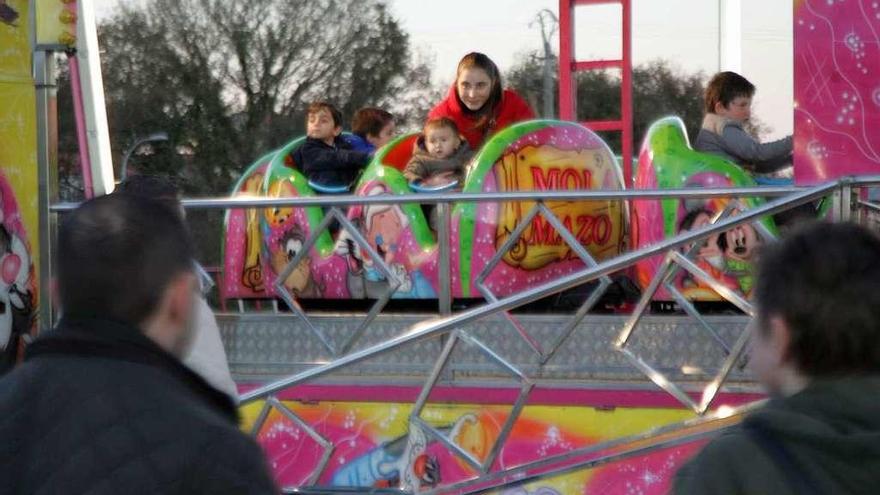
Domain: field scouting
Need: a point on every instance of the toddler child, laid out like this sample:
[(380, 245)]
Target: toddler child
[(439, 155)]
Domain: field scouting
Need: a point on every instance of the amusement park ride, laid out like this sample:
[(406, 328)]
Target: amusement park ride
[(482, 399)]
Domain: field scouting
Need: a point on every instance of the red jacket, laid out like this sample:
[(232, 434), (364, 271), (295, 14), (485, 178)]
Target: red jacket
[(511, 110)]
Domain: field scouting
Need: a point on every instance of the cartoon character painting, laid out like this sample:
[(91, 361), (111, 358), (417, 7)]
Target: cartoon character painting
[(300, 281), (726, 256), (402, 463), (252, 274), (17, 279), (383, 225)]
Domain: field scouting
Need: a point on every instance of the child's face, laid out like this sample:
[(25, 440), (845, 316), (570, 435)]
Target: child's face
[(441, 142), (383, 137), (320, 126), (740, 109)]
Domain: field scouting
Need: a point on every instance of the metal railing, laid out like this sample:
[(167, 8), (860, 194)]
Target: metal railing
[(438, 326), (845, 202)]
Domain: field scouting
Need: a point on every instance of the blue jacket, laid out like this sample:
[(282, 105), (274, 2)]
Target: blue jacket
[(359, 143)]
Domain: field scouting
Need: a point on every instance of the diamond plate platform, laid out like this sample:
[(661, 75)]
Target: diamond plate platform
[(261, 347)]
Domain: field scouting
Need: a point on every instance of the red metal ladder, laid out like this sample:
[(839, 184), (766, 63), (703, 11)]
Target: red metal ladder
[(568, 66)]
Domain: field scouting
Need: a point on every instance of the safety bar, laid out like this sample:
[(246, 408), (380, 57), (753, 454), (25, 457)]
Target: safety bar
[(461, 197)]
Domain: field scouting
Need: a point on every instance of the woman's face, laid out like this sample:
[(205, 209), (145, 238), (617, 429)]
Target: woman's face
[(474, 87)]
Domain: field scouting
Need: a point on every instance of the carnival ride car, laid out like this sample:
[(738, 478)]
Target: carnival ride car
[(496, 248)]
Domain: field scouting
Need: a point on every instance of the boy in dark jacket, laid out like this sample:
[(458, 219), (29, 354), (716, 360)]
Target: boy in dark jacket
[(439, 155), (325, 158)]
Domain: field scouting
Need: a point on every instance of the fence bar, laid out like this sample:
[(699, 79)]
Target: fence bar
[(570, 195)]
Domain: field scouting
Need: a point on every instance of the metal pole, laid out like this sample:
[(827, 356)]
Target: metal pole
[(567, 109), (846, 202), (626, 94), (555, 195), (444, 264), (47, 177), (730, 35)]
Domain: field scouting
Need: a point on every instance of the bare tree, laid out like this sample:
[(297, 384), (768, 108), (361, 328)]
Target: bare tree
[(549, 24), (230, 79)]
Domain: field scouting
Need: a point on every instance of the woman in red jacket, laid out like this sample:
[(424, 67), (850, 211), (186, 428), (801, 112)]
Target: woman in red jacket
[(478, 104)]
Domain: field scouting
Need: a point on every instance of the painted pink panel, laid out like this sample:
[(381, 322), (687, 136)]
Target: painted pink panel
[(375, 448), (837, 89)]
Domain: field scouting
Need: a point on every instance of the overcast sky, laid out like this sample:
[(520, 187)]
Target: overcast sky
[(685, 31)]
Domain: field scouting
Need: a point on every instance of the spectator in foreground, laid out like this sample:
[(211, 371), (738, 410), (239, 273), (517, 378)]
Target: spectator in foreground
[(102, 404), (206, 356), (816, 350)]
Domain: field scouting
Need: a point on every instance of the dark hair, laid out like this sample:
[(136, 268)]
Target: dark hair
[(726, 87), (824, 282), (370, 121), (487, 114), (116, 256), (151, 186), (440, 123), (317, 106)]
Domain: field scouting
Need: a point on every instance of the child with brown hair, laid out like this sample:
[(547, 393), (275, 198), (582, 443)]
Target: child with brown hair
[(439, 155), (325, 158), (728, 103), (371, 128)]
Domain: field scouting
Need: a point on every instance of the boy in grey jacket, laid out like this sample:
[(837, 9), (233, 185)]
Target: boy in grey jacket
[(728, 103)]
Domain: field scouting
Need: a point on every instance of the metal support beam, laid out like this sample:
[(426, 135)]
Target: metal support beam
[(47, 177), (730, 35)]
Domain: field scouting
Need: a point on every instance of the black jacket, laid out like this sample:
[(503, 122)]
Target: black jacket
[(336, 165), (824, 439), (98, 408)]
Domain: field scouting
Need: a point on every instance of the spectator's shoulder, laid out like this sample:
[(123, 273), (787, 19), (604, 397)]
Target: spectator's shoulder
[(720, 467)]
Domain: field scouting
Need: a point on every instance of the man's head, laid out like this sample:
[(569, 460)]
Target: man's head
[(818, 299), (441, 137), (373, 124), (128, 258), (730, 95), (324, 121)]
